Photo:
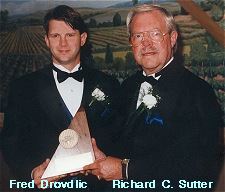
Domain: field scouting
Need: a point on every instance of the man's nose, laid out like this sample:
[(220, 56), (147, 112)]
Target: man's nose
[(63, 41), (146, 40)]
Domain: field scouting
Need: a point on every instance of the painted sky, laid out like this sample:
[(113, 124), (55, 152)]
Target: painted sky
[(17, 7)]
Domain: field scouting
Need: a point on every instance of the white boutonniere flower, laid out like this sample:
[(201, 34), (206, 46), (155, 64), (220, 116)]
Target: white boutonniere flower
[(98, 95), (149, 101)]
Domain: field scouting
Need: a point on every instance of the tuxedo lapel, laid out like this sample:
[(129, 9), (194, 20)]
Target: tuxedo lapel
[(132, 95), (88, 86), (51, 100), (91, 82), (169, 88)]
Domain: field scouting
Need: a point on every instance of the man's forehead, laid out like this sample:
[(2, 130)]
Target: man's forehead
[(149, 20), (154, 14)]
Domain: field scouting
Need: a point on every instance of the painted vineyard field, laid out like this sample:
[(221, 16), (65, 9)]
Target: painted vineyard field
[(25, 40), (30, 40)]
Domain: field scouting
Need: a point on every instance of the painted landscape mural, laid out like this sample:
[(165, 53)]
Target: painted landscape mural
[(23, 50)]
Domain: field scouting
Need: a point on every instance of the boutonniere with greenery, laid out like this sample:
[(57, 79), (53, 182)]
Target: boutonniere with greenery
[(148, 98), (99, 96), (149, 101)]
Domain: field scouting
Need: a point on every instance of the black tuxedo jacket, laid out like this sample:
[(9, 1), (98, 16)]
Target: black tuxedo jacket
[(36, 115), (180, 137)]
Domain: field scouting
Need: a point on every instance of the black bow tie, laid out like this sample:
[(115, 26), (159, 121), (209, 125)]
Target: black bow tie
[(148, 79), (62, 75)]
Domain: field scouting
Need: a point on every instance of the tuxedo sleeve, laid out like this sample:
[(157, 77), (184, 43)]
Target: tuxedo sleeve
[(13, 143), (196, 154)]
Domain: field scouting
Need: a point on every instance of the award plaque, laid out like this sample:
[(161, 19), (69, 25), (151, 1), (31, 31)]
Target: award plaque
[(74, 150)]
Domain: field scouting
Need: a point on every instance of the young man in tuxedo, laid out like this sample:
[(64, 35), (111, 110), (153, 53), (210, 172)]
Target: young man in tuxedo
[(172, 118), (42, 104)]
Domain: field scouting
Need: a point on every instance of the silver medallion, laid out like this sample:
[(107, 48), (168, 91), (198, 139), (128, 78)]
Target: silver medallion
[(68, 138)]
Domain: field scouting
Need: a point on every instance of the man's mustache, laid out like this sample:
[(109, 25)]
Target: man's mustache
[(149, 50)]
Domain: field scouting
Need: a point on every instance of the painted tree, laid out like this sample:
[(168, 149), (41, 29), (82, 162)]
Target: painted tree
[(135, 2), (108, 54), (117, 20), (118, 64), (4, 16), (130, 61), (92, 23), (198, 53), (215, 7)]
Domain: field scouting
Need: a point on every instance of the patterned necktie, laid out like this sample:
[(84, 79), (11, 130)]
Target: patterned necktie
[(62, 75)]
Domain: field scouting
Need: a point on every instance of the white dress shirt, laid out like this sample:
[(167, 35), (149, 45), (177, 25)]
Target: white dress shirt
[(145, 86), (70, 90)]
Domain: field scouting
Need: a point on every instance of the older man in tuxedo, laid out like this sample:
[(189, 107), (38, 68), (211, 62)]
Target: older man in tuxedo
[(42, 104), (172, 118)]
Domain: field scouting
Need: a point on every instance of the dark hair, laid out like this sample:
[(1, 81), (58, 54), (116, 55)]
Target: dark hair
[(75, 21), (66, 14)]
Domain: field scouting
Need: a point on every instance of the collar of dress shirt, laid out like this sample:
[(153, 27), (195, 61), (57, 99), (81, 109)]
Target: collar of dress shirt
[(70, 89), (153, 74), (62, 68)]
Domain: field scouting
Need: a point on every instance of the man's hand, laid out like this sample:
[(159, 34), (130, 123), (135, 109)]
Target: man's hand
[(98, 153), (108, 168), (38, 172)]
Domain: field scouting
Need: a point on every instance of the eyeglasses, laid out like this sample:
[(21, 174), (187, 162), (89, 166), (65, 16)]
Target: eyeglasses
[(155, 35)]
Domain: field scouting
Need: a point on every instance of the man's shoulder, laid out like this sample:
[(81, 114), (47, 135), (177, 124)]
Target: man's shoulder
[(195, 81), (29, 78), (197, 87)]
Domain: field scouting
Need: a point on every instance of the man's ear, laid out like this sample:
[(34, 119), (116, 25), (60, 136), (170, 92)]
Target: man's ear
[(173, 38), (83, 38), (46, 40)]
